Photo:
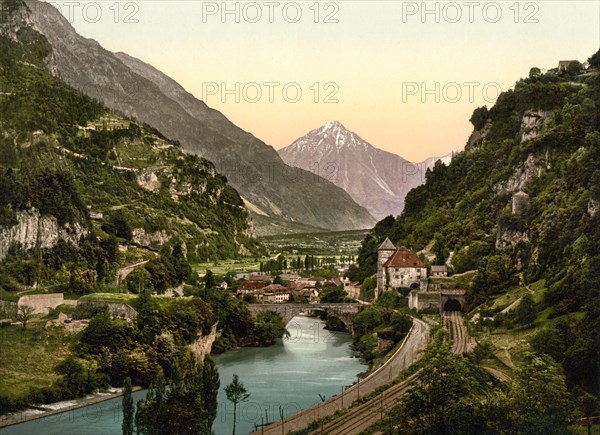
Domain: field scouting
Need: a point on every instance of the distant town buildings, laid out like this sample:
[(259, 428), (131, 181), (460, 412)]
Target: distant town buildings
[(296, 287)]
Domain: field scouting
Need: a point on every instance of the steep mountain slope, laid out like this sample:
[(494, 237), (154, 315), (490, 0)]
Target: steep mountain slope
[(134, 88), (70, 169), (520, 205), (376, 179)]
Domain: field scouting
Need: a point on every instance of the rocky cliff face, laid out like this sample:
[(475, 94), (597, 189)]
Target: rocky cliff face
[(203, 345), (533, 123), (254, 169), (509, 238), (36, 231)]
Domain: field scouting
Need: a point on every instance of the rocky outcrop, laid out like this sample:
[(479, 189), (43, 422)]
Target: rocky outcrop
[(508, 238), (142, 238), (532, 123), (477, 138), (593, 207), (148, 180), (530, 170), (36, 231), (203, 345)]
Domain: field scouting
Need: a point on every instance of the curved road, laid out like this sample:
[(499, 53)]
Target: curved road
[(408, 353)]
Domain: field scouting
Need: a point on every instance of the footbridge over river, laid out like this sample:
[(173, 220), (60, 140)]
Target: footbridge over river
[(344, 312)]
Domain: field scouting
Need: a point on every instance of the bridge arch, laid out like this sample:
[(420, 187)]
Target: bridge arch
[(344, 312)]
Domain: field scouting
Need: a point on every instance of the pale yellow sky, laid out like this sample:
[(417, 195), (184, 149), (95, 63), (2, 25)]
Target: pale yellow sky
[(280, 69)]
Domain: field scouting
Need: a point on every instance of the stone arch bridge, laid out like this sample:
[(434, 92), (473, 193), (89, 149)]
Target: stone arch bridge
[(344, 312)]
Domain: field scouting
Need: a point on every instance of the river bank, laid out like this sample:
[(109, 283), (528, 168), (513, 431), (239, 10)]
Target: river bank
[(59, 407), (292, 375)]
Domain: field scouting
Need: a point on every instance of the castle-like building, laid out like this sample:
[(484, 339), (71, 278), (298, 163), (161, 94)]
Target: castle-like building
[(398, 267)]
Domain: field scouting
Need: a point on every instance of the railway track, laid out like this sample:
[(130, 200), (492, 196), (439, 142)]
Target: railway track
[(365, 415), (454, 323)]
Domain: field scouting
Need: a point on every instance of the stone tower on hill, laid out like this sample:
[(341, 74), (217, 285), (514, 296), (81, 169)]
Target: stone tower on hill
[(386, 250)]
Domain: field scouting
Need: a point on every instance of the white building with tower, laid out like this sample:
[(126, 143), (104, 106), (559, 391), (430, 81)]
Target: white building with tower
[(398, 267)]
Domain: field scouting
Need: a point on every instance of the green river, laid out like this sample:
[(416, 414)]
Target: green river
[(288, 376)]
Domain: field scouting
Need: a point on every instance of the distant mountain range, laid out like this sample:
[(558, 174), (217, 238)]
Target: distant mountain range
[(376, 179), (136, 89)]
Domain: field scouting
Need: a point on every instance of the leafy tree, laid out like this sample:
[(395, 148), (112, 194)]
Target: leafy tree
[(526, 311), (128, 414), (24, 313), (118, 225), (594, 60), (179, 410), (73, 376), (268, 327), (390, 299), (549, 342), (440, 249), (332, 295), (367, 320), (236, 393), (539, 396), (400, 324), (479, 117), (104, 332), (443, 383), (534, 72), (138, 281), (574, 68)]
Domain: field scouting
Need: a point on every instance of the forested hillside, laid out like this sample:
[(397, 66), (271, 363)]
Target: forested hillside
[(520, 205), (77, 180)]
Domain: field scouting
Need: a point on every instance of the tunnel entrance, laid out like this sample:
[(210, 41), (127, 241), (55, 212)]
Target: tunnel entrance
[(452, 305)]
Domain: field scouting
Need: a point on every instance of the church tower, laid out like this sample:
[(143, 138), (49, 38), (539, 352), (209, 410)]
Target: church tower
[(386, 250)]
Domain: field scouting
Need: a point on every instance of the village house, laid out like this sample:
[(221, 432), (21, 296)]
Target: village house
[(250, 287), (274, 294), (398, 267), (439, 271)]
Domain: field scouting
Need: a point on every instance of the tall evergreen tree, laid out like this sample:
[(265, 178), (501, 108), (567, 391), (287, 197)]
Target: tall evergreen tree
[(236, 393), (127, 424), (210, 387)]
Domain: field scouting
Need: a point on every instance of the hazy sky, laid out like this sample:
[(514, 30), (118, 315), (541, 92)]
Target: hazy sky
[(405, 76)]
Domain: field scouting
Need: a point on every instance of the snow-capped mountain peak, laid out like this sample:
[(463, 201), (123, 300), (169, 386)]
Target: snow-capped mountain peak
[(376, 179)]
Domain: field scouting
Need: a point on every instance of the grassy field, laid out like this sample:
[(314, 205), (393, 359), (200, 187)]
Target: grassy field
[(109, 297), (537, 290), (456, 281), (28, 357), (334, 243), (224, 266), (326, 243)]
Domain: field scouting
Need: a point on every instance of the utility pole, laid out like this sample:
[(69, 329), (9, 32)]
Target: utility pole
[(282, 422)]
